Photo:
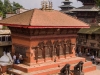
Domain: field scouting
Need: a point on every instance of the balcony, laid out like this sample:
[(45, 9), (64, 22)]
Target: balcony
[(5, 43)]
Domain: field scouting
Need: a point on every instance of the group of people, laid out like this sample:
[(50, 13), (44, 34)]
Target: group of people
[(17, 58)]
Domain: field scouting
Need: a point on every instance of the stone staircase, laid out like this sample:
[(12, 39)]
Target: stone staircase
[(48, 68)]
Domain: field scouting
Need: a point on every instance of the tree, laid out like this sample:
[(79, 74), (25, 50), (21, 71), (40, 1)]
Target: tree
[(16, 6), (97, 3), (1, 5), (7, 6)]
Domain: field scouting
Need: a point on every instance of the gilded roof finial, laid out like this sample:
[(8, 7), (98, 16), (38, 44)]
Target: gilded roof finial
[(50, 5), (43, 5), (46, 5)]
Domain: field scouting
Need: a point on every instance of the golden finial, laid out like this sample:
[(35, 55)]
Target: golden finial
[(43, 5), (46, 5), (50, 5)]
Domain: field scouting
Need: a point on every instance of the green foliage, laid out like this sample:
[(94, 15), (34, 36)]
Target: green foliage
[(1, 13), (7, 7), (97, 2), (16, 6)]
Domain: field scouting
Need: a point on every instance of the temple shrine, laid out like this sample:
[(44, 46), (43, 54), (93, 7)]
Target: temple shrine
[(67, 8), (47, 40), (88, 12)]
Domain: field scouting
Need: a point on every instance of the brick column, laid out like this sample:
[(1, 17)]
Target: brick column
[(30, 57)]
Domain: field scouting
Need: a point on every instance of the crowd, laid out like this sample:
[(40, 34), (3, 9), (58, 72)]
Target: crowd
[(89, 56)]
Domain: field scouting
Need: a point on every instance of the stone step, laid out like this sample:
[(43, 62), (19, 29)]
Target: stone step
[(50, 71), (49, 65)]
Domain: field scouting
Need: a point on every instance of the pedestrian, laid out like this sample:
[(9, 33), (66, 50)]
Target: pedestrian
[(92, 58), (21, 58), (17, 61), (14, 58)]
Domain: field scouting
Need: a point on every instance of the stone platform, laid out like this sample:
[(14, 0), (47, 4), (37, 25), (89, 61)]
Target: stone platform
[(49, 67)]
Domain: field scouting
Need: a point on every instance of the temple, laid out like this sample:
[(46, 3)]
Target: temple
[(88, 12), (47, 40), (87, 40), (67, 8)]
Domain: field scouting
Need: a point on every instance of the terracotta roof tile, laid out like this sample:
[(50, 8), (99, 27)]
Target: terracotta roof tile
[(46, 18)]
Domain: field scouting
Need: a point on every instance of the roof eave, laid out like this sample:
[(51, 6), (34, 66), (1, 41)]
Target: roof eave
[(28, 26)]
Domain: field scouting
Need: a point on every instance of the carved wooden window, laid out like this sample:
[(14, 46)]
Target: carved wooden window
[(40, 54), (47, 51), (67, 49), (41, 50), (61, 50), (49, 48), (56, 47), (68, 46)]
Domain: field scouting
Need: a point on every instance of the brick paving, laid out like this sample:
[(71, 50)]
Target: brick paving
[(97, 72)]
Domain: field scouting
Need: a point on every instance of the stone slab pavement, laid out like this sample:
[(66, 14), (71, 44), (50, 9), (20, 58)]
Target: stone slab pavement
[(97, 72)]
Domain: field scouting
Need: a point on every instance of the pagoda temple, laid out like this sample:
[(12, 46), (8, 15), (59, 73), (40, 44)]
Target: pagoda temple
[(88, 12), (87, 38), (67, 8), (46, 39)]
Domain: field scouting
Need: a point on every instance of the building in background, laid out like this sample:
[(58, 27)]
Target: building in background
[(21, 10), (5, 41), (88, 12), (5, 34), (88, 39), (67, 8)]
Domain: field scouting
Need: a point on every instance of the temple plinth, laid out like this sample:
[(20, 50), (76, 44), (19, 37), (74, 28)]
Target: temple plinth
[(47, 41)]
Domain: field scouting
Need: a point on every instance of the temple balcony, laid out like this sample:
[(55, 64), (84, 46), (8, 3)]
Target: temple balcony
[(5, 43)]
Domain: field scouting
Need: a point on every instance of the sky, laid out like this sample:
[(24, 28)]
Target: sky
[(31, 4)]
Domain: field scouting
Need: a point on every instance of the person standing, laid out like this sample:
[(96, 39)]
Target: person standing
[(14, 58)]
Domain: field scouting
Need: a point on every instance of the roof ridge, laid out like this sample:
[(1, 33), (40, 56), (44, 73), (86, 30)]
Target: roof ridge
[(17, 14), (31, 16), (73, 17)]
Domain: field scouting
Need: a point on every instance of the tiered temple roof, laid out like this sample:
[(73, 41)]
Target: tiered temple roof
[(67, 8)]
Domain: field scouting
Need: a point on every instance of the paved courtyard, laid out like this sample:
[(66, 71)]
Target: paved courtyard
[(97, 72)]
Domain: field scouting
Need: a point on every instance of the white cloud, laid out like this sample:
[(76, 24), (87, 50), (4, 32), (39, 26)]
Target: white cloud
[(30, 4)]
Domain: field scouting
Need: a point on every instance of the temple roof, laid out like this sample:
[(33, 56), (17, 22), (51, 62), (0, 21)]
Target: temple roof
[(91, 30), (87, 8), (66, 6), (37, 18)]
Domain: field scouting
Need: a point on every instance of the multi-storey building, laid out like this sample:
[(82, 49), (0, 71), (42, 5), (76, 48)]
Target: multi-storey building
[(87, 39), (5, 41), (88, 12)]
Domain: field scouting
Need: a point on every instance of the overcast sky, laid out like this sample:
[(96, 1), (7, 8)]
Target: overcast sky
[(30, 4)]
